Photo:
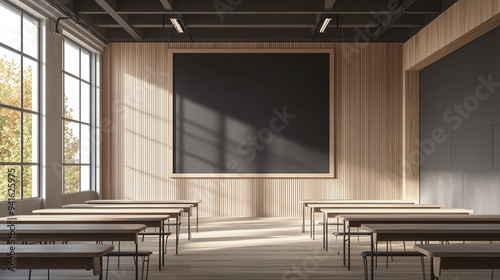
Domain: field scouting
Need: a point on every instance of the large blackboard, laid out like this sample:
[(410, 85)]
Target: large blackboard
[(251, 113)]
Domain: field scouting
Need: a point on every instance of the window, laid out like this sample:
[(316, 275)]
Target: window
[(80, 78), (19, 101)]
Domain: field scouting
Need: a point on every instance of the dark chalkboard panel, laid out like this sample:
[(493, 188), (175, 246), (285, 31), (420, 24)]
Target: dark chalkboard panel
[(252, 113)]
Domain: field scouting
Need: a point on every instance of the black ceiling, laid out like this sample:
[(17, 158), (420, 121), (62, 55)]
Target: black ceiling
[(254, 20)]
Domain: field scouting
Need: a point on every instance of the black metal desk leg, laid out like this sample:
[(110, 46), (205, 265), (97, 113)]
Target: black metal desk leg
[(136, 259), (160, 244), (100, 263), (343, 243), (314, 225), (310, 222), (303, 219), (325, 226), (189, 224), (432, 269), (177, 229), (371, 257)]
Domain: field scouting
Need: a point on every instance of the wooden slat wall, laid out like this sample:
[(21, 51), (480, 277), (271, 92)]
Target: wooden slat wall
[(368, 92), (462, 23)]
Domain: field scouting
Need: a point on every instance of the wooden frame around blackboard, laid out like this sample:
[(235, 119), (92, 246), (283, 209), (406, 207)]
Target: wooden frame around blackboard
[(171, 121)]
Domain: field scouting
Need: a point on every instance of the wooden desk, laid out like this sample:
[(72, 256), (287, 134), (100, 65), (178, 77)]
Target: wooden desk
[(334, 213), (185, 207), (350, 221), (148, 220), (56, 256), (305, 203), (460, 256), (316, 208), (173, 213), (76, 232), (430, 232), (122, 201)]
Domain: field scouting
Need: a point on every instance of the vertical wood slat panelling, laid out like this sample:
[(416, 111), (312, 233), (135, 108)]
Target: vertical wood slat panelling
[(462, 23), (368, 133)]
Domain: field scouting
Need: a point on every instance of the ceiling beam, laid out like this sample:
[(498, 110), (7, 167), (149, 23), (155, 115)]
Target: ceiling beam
[(274, 7), (110, 7), (257, 35), (167, 4), (256, 21), (329, 4), (392, 19)]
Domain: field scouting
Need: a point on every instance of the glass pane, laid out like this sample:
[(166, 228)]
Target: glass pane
[(71, 98), (10, 140), (30, 181), (97, 107), (85, 142), (97, 70), (10, 27), (71, 142), (10, 189), (30, 36), (30, 84), (85, 73), (33, 183), (30, 138), (71, 179), (85, 178), (85, 101), (10, 78), (71, 58)]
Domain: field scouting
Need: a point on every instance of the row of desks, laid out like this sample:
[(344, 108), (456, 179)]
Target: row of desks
[(335, 213), (432, 232), (56, 257), (357, 221), (405, 221), (305, 203), (147, 220), (76, 232), (173, 213), (318, 208), (119, 220), (194, 203)]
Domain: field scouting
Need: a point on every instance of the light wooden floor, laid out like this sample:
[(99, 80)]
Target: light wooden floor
[(256, 248)]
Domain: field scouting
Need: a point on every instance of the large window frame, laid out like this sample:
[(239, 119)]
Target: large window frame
[(88, 180), (23, 164)]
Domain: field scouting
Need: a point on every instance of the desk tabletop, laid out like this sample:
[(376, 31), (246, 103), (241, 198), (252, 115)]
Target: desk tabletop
[(329, 201), (375, 205), (73, 228), (96, 211), (129, 206), (402, 211), (69, 250), (432, 228), (83, 218), (459, 250), (437, 217), (124, 201)]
